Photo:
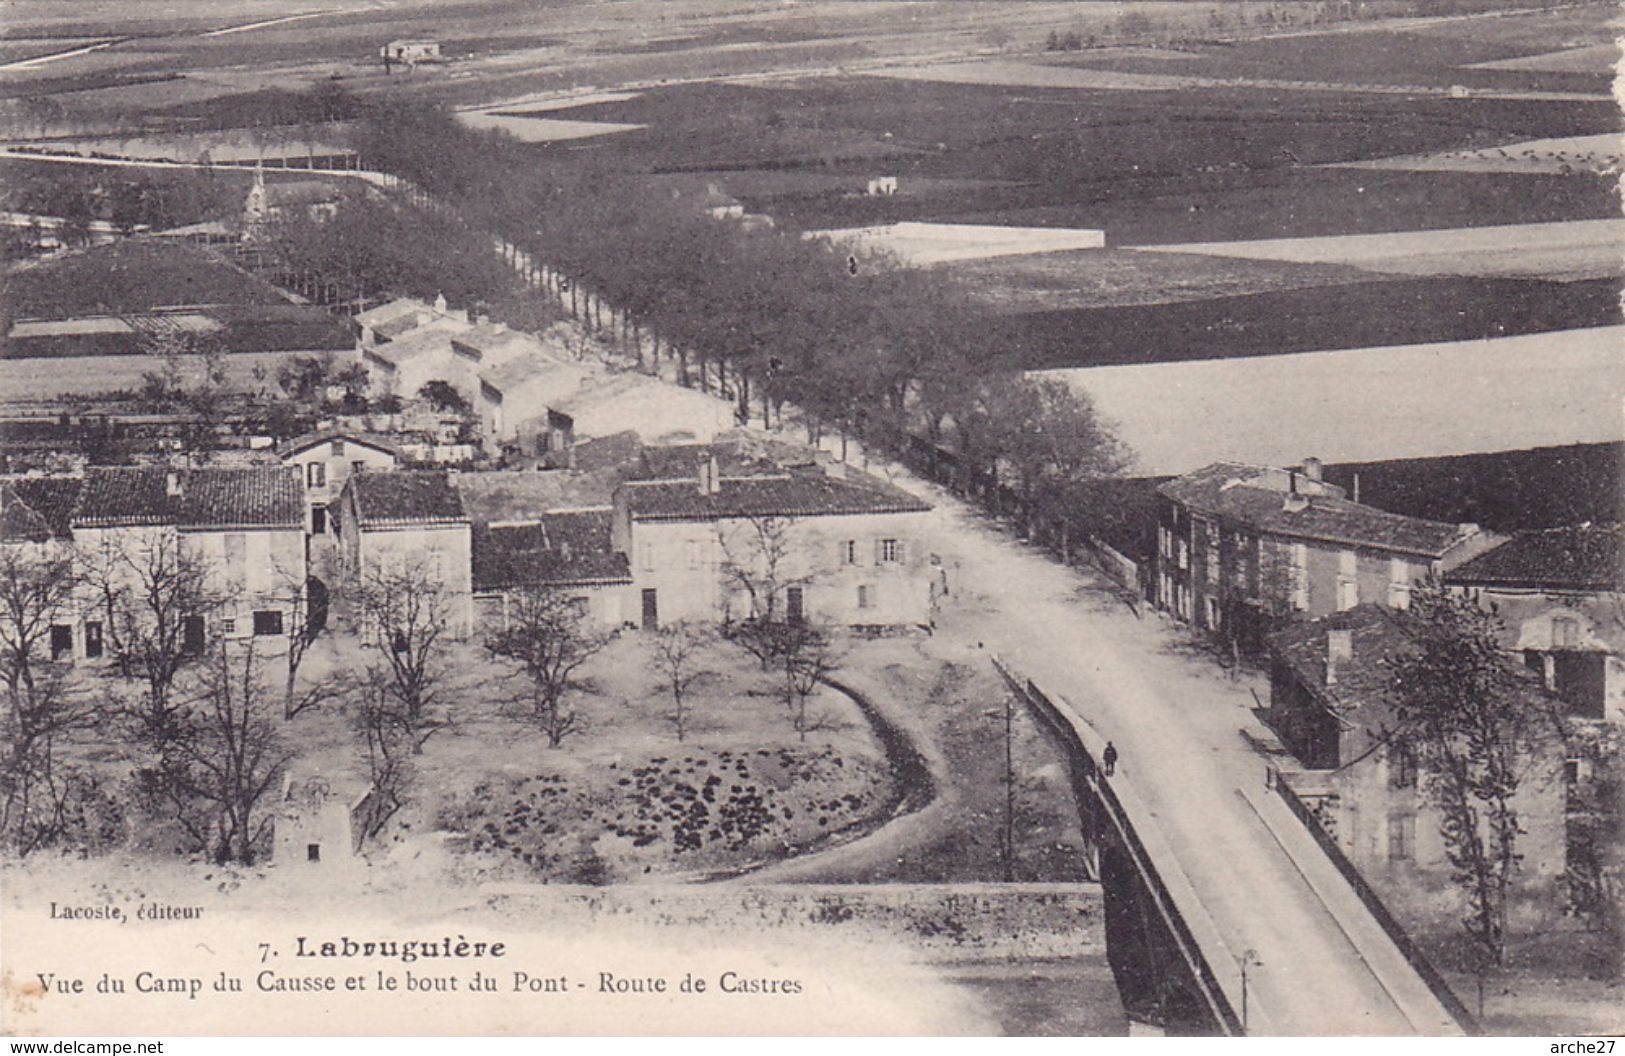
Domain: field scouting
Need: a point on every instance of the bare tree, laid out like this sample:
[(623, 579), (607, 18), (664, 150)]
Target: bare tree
[(406, 614), (807, 655), (677, 650), (36, 791), (300, 631), (156, 599), (547, 636), (1478, 730), (759, 564), (226, 757), (387, 746)]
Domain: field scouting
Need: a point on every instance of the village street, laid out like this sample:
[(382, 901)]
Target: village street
[(1176, 718)]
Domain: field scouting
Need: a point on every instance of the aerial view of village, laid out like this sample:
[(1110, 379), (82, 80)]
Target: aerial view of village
[(1000, 517)]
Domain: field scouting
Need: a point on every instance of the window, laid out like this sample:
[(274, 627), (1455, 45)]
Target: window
[(338, 447), (315, 474), (646, 556), (228, 625), (1401, 766), (1184, 552), (93, 640), (61, 641), (437, 566), (1576, 771), (866, 597), (1399, 583), (1402, 838), (1210, 606), (1565, 632), (1580, 679), (313, 852), (318, 520), (1165, 541), (1299, 576), (357, 466), (267, 622), (1348, 593), (890, 551), (849, 552)]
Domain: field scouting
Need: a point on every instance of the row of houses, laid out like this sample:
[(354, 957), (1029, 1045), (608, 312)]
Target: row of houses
[(686, 541), (1284, 565), (699, 532), (528, 393)]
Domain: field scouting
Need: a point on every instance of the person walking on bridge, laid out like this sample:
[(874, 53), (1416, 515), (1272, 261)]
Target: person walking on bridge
[(1109, 757)]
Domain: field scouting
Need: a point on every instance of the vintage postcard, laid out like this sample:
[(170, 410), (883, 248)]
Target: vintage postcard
[(821, 517)]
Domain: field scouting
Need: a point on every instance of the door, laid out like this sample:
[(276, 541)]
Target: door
[(318, 520), (793, 605), (651, 610), (61, 641)]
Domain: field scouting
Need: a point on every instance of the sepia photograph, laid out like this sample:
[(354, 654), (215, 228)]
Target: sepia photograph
[(786, 518)]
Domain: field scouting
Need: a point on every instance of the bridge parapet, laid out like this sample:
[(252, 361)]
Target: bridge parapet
[(1170, 920)]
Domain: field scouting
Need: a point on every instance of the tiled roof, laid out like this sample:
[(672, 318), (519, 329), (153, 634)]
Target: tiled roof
[(49, 500), (248, 497), (420, 341), (407, 497), (121, 496), (790, 495), (1378, 638), (211, 497), (523, 495), (1203, 489), (20, 522), (1220, 491), (735, 458), (289, 448), (1583, 557), (563, 547)]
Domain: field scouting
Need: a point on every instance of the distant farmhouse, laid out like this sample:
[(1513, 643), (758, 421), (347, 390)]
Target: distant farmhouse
[(410, 51)]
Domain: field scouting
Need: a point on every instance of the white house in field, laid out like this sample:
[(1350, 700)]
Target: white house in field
[(326, 460), (842, 547), (409, 521)]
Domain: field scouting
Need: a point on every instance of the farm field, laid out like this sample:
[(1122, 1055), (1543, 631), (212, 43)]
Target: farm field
[(1282, 322), (1365, 405), (130, 276), (1101, 278), (1599, 154), (1557, 50), (1564, 250)]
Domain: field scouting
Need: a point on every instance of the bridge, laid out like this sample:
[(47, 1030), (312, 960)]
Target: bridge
[(1222, 914)]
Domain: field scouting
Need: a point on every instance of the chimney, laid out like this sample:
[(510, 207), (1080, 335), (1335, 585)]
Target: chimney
[(1339, 651), (564, 549), (1312, 468), (440, 303), (172, 484), (710, 476), (1295, 503), (1356, 495)]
